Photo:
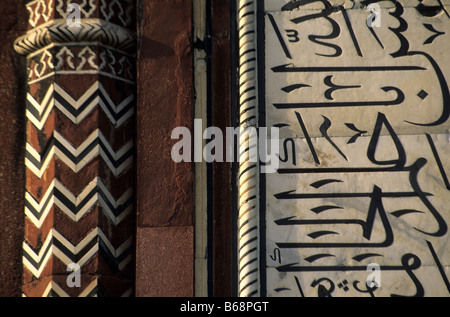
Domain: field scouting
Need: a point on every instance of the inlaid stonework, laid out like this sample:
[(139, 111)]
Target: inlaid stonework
[(79, 149)]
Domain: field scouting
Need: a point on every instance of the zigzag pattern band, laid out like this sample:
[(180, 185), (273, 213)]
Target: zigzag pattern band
[(96, 193), (248, 224), (77, 110), (57, 245), (76, 158), (54, 290), (79, 151), (74, 207), (93, 289)]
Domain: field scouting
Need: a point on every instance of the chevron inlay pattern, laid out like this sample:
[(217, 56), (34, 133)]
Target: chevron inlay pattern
[(79, 151), (56, 245), (75, 207), (91, 290), (77, 110), (95, 145)]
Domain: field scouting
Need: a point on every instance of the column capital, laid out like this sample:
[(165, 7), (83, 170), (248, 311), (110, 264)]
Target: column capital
[(90, 31)]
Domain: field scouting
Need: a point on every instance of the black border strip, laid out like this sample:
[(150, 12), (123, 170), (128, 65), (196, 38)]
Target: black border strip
[(261, 53), (234, 111)]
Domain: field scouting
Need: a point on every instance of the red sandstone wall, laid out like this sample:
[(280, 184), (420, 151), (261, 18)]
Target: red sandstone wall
[(164, 189), (13, 23)]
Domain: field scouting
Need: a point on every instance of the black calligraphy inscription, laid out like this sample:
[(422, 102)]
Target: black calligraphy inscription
[(364, 167), (280, 36)]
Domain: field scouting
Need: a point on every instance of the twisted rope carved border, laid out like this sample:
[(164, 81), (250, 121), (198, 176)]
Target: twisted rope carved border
[(248, 223)]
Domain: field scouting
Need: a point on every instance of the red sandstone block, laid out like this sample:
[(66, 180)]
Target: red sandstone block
[(165, 262)]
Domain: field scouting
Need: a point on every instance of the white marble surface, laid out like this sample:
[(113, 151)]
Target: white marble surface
[(371, 83), (320, 212)]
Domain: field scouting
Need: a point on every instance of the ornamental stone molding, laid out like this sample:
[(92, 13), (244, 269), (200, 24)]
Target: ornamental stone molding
[(80, 105), (93, 31)]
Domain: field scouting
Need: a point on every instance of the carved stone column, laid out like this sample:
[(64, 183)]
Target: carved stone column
[(79, 148), (248, 223)]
